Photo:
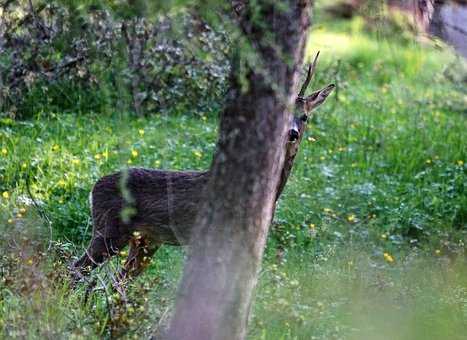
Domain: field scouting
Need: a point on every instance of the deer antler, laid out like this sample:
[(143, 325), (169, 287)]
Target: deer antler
[(309, 76)]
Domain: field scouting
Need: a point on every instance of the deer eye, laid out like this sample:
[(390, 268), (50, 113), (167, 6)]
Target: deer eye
[(293, 135)]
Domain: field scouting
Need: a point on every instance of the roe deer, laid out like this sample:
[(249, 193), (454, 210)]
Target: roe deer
[(146, 208)]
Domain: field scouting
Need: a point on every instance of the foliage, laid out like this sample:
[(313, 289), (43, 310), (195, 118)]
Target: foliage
[(65, 57)]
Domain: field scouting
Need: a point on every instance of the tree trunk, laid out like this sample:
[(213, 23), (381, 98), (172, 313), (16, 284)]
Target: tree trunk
[(227, 245)]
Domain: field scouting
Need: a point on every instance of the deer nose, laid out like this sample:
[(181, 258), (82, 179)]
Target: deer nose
[(293, 135)]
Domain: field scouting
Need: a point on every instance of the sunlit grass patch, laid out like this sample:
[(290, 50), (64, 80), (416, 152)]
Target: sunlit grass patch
[(390, 59)]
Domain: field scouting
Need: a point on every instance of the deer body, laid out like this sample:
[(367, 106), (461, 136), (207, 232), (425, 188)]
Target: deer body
[(164, 203), (161, 207), (144, 208)]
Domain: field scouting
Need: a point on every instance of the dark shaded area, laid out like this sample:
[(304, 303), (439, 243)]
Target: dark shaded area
[(71, 57)]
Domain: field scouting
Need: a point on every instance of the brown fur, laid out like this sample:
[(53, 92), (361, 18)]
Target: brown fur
[(161, 205)]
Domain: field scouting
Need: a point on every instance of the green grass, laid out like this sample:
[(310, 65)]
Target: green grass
[(381, 171), (351, 296)]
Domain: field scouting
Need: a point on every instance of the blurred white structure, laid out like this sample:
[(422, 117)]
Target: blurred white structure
[(449, 23)]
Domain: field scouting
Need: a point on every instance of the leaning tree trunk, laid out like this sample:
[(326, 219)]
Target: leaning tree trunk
[(227, 245)]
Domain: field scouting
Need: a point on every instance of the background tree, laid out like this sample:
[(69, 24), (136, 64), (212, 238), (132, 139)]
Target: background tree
[(221, 272)]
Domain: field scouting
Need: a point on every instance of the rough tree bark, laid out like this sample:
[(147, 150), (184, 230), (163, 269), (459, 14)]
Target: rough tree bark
[(216, 290)]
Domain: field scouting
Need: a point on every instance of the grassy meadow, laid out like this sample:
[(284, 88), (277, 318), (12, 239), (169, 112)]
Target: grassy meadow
[(368, 240)]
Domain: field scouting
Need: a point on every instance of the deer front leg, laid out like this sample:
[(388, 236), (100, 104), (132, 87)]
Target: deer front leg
[(139, 256)]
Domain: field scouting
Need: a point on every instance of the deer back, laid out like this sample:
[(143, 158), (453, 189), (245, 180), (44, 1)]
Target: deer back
[(162, 204)]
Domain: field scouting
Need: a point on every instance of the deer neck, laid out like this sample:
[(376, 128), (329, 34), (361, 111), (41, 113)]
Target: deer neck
[(288, 164)]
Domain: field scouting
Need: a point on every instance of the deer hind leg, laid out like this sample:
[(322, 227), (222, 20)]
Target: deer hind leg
[(99, 250), (139, 256)]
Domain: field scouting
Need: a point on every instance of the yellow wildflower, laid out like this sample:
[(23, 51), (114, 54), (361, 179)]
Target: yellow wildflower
[(10, 221), (105, 154), (129, 161), (327, 210), (384, 236), (351, 218), (29, 262), (24, 165), (4, 152), (322, 158), (55, 147), (312, 226), (61, 183), (294, 283), (6, 195), (22, 210), (141, 132), (134, 153), (97, 156), (198, 154), (388, 257), (460, 162), (75, 161), (282, 302), (157, 162), (428, 161), (437, 252), (311, 139)]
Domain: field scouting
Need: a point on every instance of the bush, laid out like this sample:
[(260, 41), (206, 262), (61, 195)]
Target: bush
[(62, 57)]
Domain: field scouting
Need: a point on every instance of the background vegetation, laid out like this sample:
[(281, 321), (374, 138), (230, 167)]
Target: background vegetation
[(82, 56), (369, 237)]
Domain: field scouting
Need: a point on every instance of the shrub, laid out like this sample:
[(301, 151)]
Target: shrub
[(61, 57)]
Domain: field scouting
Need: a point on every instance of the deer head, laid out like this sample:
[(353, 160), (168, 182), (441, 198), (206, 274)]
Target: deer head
[(304, 105)]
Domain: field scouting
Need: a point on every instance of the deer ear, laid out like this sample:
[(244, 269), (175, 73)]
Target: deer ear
[(318, 97)]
